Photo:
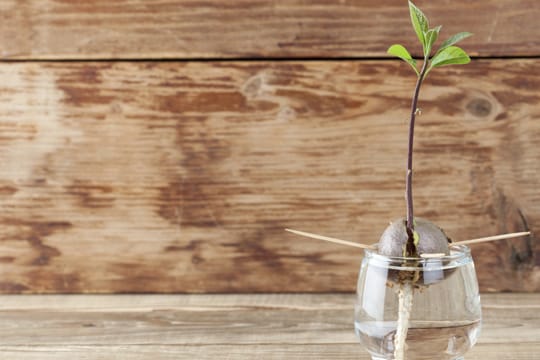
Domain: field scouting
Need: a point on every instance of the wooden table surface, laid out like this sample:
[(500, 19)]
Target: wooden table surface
[(297, 326)]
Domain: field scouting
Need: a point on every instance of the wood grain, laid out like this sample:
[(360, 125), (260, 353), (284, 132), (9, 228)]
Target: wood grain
[(180, 177), (517, 351), (241, 326), (187, 29)]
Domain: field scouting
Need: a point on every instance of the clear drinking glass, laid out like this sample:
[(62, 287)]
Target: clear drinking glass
[(440, 295)]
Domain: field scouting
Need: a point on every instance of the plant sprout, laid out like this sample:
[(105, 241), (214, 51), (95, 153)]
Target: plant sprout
[(411, 238), (414, 237), (446, 54)]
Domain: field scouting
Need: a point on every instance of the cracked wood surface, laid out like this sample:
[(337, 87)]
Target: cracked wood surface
[(181, 177), (190, 29), (265, 326)]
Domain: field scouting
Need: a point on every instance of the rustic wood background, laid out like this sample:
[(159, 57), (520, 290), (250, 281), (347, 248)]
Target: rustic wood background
[(163, 146), (242, 326)]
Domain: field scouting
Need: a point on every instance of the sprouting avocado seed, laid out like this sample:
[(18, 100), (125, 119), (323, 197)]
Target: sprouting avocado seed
[(432, 239)]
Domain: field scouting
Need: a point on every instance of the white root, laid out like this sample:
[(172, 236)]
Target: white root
[(405, 298)]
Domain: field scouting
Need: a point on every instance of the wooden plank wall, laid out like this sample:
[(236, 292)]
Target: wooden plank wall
[(163, 146)]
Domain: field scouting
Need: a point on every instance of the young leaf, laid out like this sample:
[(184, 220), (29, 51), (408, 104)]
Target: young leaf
[(450, 55), (431, 37), (401, 52), (454, 40), (420, 23)]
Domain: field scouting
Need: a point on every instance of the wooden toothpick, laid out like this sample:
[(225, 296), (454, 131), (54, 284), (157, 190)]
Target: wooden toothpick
[(364, 246), (492, 238), (330, 239)]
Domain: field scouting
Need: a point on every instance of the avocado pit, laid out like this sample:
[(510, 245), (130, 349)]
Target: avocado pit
[(431, 238)]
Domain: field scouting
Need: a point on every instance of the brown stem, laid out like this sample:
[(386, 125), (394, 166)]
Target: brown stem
[(411, 248)]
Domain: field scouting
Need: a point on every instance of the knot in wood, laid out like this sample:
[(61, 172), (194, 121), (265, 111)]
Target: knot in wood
[(479, 107)]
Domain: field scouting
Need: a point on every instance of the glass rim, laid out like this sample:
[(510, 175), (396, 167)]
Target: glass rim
[(457, 252)]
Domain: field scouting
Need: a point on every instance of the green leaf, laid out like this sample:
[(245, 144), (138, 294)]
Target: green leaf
[(431, 38), (401, 52), (420, 23), (449, 56), (454, 40)]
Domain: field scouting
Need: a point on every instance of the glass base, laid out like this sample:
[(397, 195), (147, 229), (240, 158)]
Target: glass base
[(380, 358), (416, 294)]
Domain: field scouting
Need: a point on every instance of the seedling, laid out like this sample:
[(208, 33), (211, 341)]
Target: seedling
[(416, 237), (408, 238), (411, 238)]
